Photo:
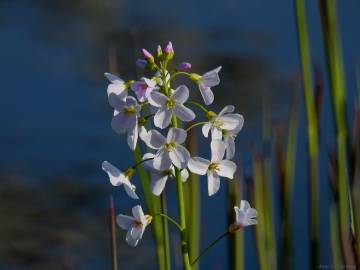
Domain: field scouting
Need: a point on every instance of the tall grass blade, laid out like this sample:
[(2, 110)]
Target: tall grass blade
[(113, 234)]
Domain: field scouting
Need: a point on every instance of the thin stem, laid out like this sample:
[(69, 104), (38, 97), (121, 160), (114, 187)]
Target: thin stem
[(140, 162), (173, 221), (198, 105), (166, 233), (178, 73), (194, 125), (113, 234), (206, 250)]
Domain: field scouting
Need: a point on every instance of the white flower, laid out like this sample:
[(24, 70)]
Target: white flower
[(143, 88), (167, 106), (215, 168), (160, 177), (245, 215), (229, 140), (224, 121), (125, 118), (169, 149), (135, 225), (118, 178), (117, 86), (205, 82)]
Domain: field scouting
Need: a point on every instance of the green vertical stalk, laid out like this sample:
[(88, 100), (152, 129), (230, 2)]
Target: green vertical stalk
[(153, 205), (236, 242), (166, 232), (313, 148), (113, 234), (192, 194), (181, 207), (338, 93), (334, 236)]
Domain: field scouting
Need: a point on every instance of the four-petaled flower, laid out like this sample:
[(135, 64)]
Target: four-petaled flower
[(135, 225), (215, 168), (125, 120), (244, 216), (169, 149), (118, 178), (117, 86), (222, 122), (167, 106), (143, 88), (205, 82), (160, 177)]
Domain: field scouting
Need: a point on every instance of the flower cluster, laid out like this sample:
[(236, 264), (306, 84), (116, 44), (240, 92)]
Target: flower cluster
[(152, 101)]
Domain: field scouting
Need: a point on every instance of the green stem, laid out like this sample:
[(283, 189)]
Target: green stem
[(198, 105), (194, 125), (140, 162), (206, 250), (178, 73), (171, 220), (166, 233), (113, 234)]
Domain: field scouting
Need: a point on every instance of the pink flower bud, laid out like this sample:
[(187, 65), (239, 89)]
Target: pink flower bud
[(169, 48), (146, 54), (184, 66)]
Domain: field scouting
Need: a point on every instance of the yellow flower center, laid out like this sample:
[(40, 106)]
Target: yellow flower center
[(167, 173), (130, 110), (213, 167), (170, 146), (148, 219), (129, 173), (170, 103)]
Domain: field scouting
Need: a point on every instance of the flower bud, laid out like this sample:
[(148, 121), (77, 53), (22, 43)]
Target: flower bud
[(195, 77), (184, 66), (148, 219), (210, 115), (159, 51), (149, 58), (169, 51), (141, 63)]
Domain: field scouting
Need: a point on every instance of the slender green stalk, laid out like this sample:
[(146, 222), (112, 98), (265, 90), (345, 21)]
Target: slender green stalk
[(206, 250), (313, 148), (166, 232), (195, 125), (173, 221), (113, 234), (192, 203), (338, 94), (201, 107)]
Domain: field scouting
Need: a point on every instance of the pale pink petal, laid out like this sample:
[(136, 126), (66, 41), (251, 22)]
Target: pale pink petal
[(198, 165), (181, 94), (217, 150), (176, 135), (179, 156), (227, 169), (213, 183)]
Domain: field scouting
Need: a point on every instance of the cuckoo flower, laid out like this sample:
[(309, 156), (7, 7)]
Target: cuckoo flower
[(244, 216), (142, 88), (168, 106), (125, 118), (160, 177), (215, 168), (118, 178), (184, 66), (222, 122), (117, 85), (135, 225), (205, 82), (169, 149)]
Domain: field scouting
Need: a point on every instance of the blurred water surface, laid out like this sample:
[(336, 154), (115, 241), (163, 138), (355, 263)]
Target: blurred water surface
[(55, 118)]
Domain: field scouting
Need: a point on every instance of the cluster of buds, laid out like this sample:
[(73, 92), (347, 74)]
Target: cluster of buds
[(148, 108)]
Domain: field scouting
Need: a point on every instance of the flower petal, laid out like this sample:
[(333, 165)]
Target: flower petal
[(116, 102), (239, 216), (179, 156), (177, 135), (217, 150), (130, 190), (125, 222), (117, 89), (230, 147), (154, 139), (198, 165), (227, 169), (205, 129), (115, 175), (244, 205), (213, 183), (158, 182), (122, 123), (216, 133), (211, 78), (149, 164), (162, 118), (157, 99), (139, 214), (184, 113), (134, 235), (207, 94), (132, 137), (162, 160), (231, 121), (226, 109), (184, 175), (181, 94), (113, 78)]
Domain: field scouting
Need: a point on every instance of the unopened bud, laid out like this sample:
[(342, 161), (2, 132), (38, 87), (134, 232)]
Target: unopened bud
[(184, 66), (169, 51), (210, 115), (148, 219)]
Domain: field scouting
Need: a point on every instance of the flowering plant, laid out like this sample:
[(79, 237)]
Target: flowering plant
[(142, 106)]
